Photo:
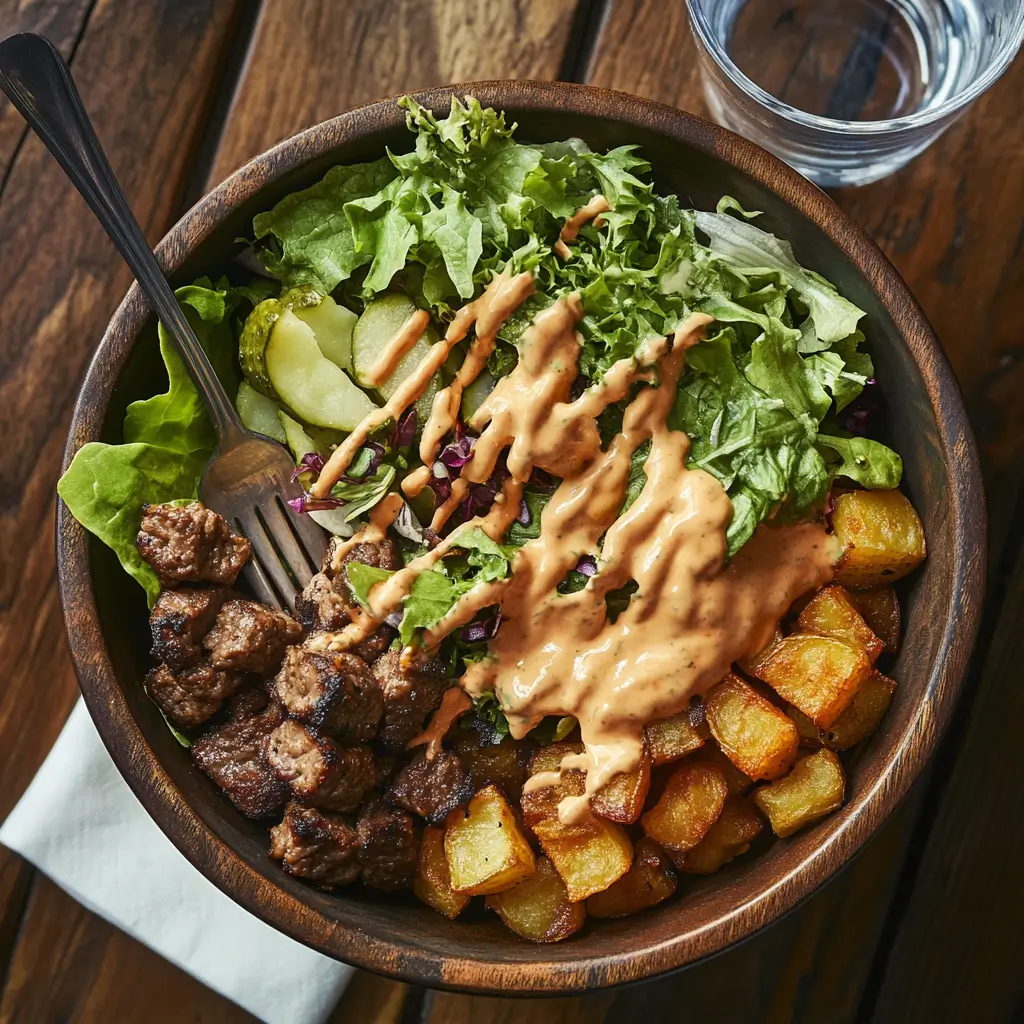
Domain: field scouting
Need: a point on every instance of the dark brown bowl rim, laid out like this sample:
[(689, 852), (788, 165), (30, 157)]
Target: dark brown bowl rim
[(400, 958)]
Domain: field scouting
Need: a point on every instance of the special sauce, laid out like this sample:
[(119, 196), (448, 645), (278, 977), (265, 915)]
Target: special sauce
[(692, 614)]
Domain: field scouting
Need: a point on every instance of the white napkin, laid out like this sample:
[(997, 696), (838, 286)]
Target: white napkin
[(81, 825)]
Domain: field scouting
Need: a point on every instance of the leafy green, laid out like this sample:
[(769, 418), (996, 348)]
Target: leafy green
[(864, 461), (363, 578)]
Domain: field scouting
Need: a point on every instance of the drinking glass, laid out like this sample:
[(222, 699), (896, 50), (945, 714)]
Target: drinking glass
[(848, 91)]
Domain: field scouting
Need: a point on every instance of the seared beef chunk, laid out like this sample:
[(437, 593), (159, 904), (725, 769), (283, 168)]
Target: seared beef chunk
[(375, 644), (189, 696), (409, 697), (250, 637), (501, 764), (321, 848), (190, 544), (432, 789), (322, 608), (336, 693), (388, 847), (234, 755), (179, 621), (320, 772), (384, 554)]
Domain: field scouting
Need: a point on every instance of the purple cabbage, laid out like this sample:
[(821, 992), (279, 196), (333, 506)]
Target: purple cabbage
[(523, 519), (311, 462), (481, 496), (440, 482), (405, 431), (861, 416), (307, 503), (483, 629), (457, 453), (587, 565)]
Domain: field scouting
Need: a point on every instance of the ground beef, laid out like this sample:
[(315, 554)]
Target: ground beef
[(319, 772), (179, 621), (233, 754), (190, 544), (383, 554), (322, 608), (432, 789), (388, 847), (189, 695), (250, 637), (409, 697), (334, 692), (321, 848)]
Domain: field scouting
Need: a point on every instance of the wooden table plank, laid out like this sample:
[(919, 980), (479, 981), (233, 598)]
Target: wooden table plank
[(339, 55)]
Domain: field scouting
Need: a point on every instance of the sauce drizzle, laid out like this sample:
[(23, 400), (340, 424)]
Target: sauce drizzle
[(397, 348)]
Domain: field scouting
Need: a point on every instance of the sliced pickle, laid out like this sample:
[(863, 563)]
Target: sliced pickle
[(258, 412)]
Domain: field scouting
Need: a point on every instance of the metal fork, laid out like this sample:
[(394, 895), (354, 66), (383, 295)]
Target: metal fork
[(249, 478)]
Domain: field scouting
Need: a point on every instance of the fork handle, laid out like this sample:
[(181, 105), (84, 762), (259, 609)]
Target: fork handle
[(38, 82)]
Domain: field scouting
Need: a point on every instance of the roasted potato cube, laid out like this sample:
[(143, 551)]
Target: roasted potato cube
[(831, 612), (433, 883), (810, 734), (542, 804), (538, 907), (732, 833), (589, 856), (673, 738), (752, 662), (486, 851), (818, 674), (881, 535), (693, 799), (881, 611), (736, 781), (650, 880), (623, 798), (814, 788), (495, 764), (754, 734), (864, 715)]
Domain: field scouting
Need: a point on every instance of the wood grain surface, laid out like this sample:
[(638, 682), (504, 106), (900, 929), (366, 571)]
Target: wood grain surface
[(953, 223)]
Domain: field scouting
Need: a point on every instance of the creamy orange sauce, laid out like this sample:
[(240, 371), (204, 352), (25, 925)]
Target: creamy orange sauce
[(454, 703), (571, 228), (397, 348)]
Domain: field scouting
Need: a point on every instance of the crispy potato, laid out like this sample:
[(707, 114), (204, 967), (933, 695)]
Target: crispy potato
[(752, 662), (831, 612), (589, 856), (650, 880), (433, 883), (881, 611), (864, 715), (814, 788), (538, 907), (622, 799), (495, 764), (732, 833), (810, 734), (818, 674), (673, 738), (693, 799), (486, 851), (542, 804), (881, 535), (754, 734), (736, 781)]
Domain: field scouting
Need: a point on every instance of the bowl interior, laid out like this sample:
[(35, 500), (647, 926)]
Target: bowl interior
[(399, 935)]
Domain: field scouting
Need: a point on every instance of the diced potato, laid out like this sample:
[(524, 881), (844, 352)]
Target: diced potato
[(814, 788), (831, 612), (538, 907), (810, 734), (433, 883), (542, 804), (495, 764), (752, 662), (589, 856), (732, 833), (486, 851), (650, 880), (818, 674), (881, 535), (864, 715), (673, 738), (754, 734), (881, 611), (737, 782), (693, 799), (623, 798)]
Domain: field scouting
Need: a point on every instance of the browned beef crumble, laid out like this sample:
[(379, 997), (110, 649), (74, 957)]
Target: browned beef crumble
[(431, 789), (388, 847), (321, 607), (321, 848), (190, 695), (336, 693), (250, 637), (383, 554), (410, 695), (233, 754), (190, 544), (179, 621), (319, 772)]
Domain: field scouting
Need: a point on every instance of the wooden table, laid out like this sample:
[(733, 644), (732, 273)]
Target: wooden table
[(924, 925)]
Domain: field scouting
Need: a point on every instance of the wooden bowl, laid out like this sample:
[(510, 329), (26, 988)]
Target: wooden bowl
[(106, 614)]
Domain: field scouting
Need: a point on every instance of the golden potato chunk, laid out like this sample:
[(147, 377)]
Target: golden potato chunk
[(693, 799), (736, 781), (538, 907), (810, 734), (486, 851), (831, 612), (433, 883), (820, 675), (623, 798), (650, 880), (814, 788), (589, 857), (881, 535), (752, 662), (732, 833), (754, 734), (673, 738), (864, 715), (881, 611)]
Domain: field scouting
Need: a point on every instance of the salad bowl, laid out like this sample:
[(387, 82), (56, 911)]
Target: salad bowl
[(106, 615)]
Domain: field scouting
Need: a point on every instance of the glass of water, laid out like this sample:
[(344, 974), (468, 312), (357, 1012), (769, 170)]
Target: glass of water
[(847, 91)]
